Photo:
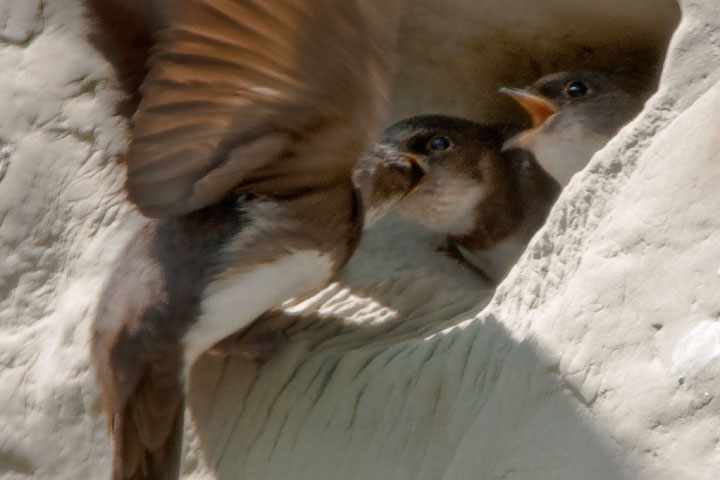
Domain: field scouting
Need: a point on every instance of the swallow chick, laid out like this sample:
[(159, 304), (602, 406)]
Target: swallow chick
[(488, 201), (250, 118), (574, 114)]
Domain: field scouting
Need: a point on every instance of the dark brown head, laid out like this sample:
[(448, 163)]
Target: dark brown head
[(464, 167)]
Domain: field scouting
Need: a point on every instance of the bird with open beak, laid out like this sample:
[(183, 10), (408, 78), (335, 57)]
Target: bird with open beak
[(574, 114), (488, 201), (251, 116)]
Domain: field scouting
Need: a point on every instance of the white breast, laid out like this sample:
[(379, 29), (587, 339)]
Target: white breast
[(233, 303)]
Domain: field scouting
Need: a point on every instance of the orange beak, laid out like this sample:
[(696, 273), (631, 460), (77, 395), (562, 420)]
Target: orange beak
[(538, 107)]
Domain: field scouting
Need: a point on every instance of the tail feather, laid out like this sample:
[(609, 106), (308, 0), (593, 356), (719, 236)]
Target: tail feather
[(135, 460)]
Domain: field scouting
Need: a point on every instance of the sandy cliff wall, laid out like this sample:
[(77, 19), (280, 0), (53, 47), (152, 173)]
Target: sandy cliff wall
[(598, 357)]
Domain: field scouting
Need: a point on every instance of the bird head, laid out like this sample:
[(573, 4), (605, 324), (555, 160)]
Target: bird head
[(596, 96), (462, 164)]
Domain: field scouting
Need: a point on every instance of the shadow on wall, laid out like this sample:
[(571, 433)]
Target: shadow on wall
[(291, 418)]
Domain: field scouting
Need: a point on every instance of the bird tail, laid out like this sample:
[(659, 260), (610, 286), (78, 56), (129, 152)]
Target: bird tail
[(137, 458)]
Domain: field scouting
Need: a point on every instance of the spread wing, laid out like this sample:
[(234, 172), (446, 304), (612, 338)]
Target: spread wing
[(257, 96)]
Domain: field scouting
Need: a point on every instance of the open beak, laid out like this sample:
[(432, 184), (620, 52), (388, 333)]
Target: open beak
[(539, 108), (418, 167), (385, 176)]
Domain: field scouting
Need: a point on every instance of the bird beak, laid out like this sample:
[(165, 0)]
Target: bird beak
[(385, 177), (418, 167), (539, 108)]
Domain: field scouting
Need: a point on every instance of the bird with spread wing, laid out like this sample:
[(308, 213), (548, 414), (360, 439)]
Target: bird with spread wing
[(250, 117)]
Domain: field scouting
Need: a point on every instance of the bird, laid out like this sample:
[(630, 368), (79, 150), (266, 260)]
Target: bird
[(248, 120), (488, 201), (574, 114)]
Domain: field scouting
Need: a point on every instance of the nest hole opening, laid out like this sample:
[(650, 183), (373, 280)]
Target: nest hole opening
[(455, 55)]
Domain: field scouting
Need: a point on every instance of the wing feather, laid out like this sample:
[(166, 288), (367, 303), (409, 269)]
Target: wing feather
[(255, 96)]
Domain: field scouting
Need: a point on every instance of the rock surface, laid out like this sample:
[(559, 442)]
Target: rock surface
[(597, 358)]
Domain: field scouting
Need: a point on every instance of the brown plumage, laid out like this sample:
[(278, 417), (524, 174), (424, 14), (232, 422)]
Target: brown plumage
[(270, 98), (488, 202), (251, 116), (146, 306), (123, 32)]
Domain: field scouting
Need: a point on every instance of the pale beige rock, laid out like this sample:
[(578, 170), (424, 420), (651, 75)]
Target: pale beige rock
[(598, 357)]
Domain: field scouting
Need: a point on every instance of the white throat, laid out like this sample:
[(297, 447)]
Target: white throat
[(445, 202), (562, 152), (564, 156)]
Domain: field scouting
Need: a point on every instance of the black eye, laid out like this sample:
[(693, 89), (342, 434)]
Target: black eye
[(576, 89), (439, 143)]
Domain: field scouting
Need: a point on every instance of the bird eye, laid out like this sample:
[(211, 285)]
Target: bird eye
[(576, 89), (439, 143)]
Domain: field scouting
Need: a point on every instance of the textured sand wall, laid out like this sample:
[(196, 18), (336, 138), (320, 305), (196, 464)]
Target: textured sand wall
[(598, 357)]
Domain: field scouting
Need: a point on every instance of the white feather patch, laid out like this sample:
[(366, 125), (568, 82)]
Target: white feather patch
[(231, 304)]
